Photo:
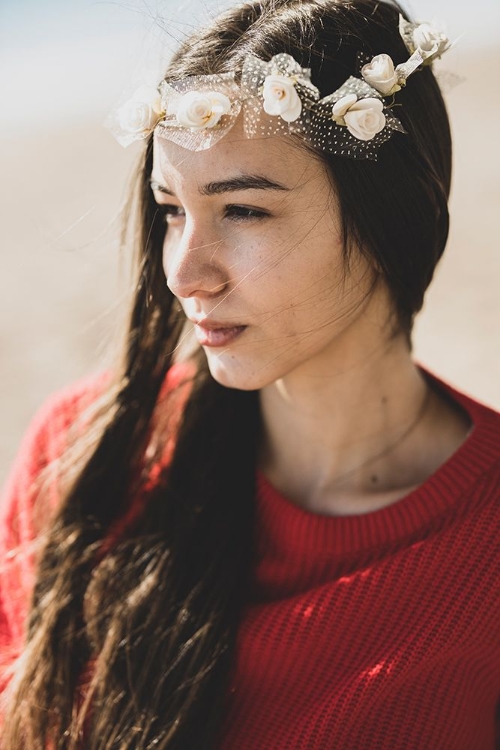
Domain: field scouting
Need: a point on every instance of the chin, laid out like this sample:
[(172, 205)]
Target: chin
[(231, 373)]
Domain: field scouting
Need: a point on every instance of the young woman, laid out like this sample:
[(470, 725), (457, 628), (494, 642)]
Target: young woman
[(267, 526)]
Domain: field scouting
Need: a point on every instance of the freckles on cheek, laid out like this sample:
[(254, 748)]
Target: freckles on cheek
[(274, 269), (251, 264)]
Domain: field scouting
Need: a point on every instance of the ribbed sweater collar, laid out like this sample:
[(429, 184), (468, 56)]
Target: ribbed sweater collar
[(285, 526)]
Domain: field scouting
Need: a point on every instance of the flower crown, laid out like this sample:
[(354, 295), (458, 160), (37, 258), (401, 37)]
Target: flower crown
[(277, 97)]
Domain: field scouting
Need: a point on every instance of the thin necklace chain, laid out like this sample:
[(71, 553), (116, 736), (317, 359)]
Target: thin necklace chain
[(399, 439)]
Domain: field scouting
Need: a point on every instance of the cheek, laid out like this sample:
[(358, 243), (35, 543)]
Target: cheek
[(304, 268), (166, 259), (170, 243), (324, 292), (299, 288)]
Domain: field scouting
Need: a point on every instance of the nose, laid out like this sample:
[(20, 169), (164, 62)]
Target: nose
[(193, 263)]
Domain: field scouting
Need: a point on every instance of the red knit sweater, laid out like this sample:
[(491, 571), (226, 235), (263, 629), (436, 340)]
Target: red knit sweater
[(375, 631)]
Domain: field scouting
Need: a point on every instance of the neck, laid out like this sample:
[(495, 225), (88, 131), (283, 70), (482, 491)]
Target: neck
[(347, 427)]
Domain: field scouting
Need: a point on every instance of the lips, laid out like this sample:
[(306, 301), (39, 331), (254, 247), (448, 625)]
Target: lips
[(214, 333)]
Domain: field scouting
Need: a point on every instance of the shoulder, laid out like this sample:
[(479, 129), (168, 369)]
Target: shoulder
[(41, 440), (476, 463), (46, 437), (41, 445), (481, 414)]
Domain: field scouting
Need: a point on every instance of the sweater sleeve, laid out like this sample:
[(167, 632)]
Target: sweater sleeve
[(40, 447)]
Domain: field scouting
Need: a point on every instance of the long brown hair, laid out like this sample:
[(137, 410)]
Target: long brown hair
[(158, 613)]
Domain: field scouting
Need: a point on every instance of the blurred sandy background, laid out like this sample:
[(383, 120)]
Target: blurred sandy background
[(63, 178)]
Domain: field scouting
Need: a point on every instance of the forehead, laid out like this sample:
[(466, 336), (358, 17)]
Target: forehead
[(281, 157)]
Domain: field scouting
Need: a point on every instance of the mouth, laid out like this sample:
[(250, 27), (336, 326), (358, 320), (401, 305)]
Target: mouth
[(214, 334)]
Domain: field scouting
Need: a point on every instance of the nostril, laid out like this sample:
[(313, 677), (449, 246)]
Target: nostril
[(219, 288)]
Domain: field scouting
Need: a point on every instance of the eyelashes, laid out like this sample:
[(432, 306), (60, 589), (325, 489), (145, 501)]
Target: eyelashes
[(171, 214), (242, 213)]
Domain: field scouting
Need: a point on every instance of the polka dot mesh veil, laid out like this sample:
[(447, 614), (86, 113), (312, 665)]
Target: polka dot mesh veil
[(277, 97)]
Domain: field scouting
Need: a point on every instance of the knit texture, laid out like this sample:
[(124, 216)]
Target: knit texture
[(373, 631)]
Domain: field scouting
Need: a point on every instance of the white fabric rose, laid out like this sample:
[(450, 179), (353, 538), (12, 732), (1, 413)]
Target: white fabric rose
[(430, 41), (199, 110), (341, 107), (281, 98), (364, 118), (141, 113), (380, 74)]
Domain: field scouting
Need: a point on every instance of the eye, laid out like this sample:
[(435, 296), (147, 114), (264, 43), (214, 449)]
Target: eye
[(243, 213), (170, 214)]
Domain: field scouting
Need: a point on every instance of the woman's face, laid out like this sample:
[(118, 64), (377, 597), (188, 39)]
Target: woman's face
[(253, 253)]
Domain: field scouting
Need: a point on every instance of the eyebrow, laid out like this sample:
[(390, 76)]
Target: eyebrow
[(241, 182)]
